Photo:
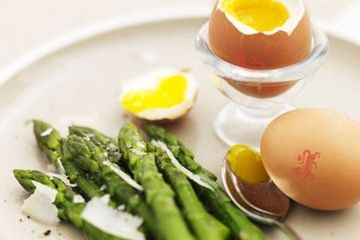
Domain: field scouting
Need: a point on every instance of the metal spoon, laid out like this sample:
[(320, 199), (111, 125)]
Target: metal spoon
[(262, 202)]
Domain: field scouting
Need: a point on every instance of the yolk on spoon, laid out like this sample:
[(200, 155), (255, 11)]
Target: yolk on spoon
[(246, 164)]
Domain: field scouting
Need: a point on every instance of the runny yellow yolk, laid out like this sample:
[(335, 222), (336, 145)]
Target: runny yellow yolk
[(169, 92), (246, 164), (261, 15)]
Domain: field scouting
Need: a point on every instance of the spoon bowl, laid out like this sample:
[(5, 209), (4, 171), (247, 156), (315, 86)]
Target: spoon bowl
[(262, 202)]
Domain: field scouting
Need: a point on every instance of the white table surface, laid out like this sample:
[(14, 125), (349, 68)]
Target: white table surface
[(27, 24)]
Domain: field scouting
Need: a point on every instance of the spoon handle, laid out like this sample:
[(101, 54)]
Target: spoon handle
[(287, 230)]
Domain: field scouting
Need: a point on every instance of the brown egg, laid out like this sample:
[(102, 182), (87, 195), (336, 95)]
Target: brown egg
[(283, 46), (313, 156)]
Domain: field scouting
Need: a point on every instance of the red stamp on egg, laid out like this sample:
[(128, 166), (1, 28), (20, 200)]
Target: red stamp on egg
[(306, 164), (248, 61)]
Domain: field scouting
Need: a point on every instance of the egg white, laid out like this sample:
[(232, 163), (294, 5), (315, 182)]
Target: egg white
[(296, 11), (149, 81)]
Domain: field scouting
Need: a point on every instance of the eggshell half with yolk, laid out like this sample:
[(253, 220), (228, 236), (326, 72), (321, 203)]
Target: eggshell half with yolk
[(251, 48)]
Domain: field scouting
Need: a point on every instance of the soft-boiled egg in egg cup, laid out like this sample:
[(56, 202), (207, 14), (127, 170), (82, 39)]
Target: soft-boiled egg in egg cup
[(260, 34), (161, 95)]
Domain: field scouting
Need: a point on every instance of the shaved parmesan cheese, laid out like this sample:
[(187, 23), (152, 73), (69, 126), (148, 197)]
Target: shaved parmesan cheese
[(137, 152), (62, 178), (88, 136), (123, 175), (111, 146), (40, 205), (112, 221), (47, 132), (196, 178), (78, 199), (140, 145), (60, 167)]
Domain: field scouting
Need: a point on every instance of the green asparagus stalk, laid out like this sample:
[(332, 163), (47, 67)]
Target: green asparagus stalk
[(182, 153), (107, 145), (216, 200), (158, 194), (116, 187), (48, 140), (205, 226), (68, 209), (94, 147), (90, 159), (55, 149)]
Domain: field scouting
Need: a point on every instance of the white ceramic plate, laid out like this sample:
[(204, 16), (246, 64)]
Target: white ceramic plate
[(80, 84), (340, 17)]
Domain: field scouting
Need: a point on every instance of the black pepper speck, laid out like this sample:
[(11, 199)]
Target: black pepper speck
[(47, 232)]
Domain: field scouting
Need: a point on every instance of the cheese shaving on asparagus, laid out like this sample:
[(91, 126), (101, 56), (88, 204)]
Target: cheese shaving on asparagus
[(60, 167), (40, 205), (196, 178), (62, 177), (116, 222), (47, 132), (123, 175)]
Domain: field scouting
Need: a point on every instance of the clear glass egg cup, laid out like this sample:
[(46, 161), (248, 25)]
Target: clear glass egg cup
[(258, 96)]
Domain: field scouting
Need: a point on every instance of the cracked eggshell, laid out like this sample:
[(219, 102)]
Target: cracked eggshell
[(163, 115), (241, 45)]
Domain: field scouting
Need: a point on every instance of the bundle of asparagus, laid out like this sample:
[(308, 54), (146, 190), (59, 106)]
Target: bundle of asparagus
[(68, 209), (159, 183), (216, 200)]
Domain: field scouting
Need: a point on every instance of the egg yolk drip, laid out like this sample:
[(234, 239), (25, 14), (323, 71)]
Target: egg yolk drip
[(170, 91), (261, 15), (246, 164)]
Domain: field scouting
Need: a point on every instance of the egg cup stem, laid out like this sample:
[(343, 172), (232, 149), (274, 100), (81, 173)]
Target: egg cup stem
[(234, 124), (258, 95)]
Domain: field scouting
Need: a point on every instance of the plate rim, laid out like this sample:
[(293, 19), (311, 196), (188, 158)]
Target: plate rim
[(98, 28), (121, 21)]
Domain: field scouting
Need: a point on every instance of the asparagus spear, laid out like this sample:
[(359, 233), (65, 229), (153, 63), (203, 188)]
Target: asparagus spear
[(55, 149), (119, 189), (48, 140), (97, 148), (68, 209), (205, 226), (183, 154), (107, 145), (158, 194), (217, 201)]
